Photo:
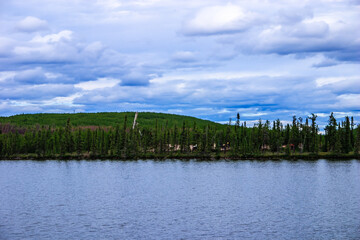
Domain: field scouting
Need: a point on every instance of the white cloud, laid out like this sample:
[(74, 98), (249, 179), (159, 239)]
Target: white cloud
[(109, 4), (283, 27), (100, 83), (219, 20), (340, 85), (48, 48), (203, 58), (184, 56), (201, 76), (257, 114), (57, 47), (68, 100), (320, 82), (94, 49), (6, 76), (197, 91), (32, 24), (349, 101), (310, 29), (64, 35)]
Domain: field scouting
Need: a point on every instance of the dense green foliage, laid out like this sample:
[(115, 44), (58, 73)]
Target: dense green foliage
[(164, 135), (113, 119)]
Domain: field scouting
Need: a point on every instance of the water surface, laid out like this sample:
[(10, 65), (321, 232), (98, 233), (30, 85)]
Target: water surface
[(180, 200)]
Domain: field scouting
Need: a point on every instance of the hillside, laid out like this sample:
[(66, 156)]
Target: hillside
[(145, 119), (20, 140)]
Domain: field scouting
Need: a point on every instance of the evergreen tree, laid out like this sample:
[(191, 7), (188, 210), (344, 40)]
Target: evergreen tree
[(340, 137), (183, 138), (294, 135), (175, 139), (330, 133), (237, 135), (88, 140), (357, 142), (287, 135), (346, 138), (314, 134), (123, 142), (352, 135), (79, 142), (156, 138), (68, 137), (338, 146), (307, 136)]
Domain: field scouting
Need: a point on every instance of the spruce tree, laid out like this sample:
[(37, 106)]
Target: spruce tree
[(346, 138), (183, 138), (88, 140), (68, 137), (79, 142), (314, 134), (357, 142), (338, 146), (294, 135), (123, 142)]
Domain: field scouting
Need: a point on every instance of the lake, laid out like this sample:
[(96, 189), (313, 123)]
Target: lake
[(180, 199)]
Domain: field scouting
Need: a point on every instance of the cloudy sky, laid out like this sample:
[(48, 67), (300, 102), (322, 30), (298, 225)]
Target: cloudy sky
[(204, 58)]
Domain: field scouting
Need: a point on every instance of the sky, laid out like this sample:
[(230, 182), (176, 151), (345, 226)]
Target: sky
[(205, 58)]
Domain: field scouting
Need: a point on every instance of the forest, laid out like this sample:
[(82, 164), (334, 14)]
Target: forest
[(162, 136)]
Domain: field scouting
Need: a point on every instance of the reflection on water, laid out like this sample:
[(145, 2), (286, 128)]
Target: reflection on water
[(180, 200)]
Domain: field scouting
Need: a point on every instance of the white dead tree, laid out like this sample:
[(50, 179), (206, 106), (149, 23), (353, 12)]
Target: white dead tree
[(134, 124)]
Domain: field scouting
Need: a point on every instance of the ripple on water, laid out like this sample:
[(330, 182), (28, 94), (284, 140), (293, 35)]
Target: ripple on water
[(179, 200)]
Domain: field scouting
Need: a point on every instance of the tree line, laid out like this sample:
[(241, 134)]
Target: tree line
[(236, 139)]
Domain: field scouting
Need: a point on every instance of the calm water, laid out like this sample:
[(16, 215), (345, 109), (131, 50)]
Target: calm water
[(179, 200)]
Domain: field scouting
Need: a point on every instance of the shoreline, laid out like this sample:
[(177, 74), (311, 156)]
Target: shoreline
[(186, 157)]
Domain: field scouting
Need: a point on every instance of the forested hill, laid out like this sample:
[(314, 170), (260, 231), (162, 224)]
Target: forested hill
[(157, 135), (145, 119)]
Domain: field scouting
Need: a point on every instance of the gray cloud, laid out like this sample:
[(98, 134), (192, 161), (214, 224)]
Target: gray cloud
[(6, 45), (204, 58), (294, 29), (30, 76), (326, 63), (32, 92)]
